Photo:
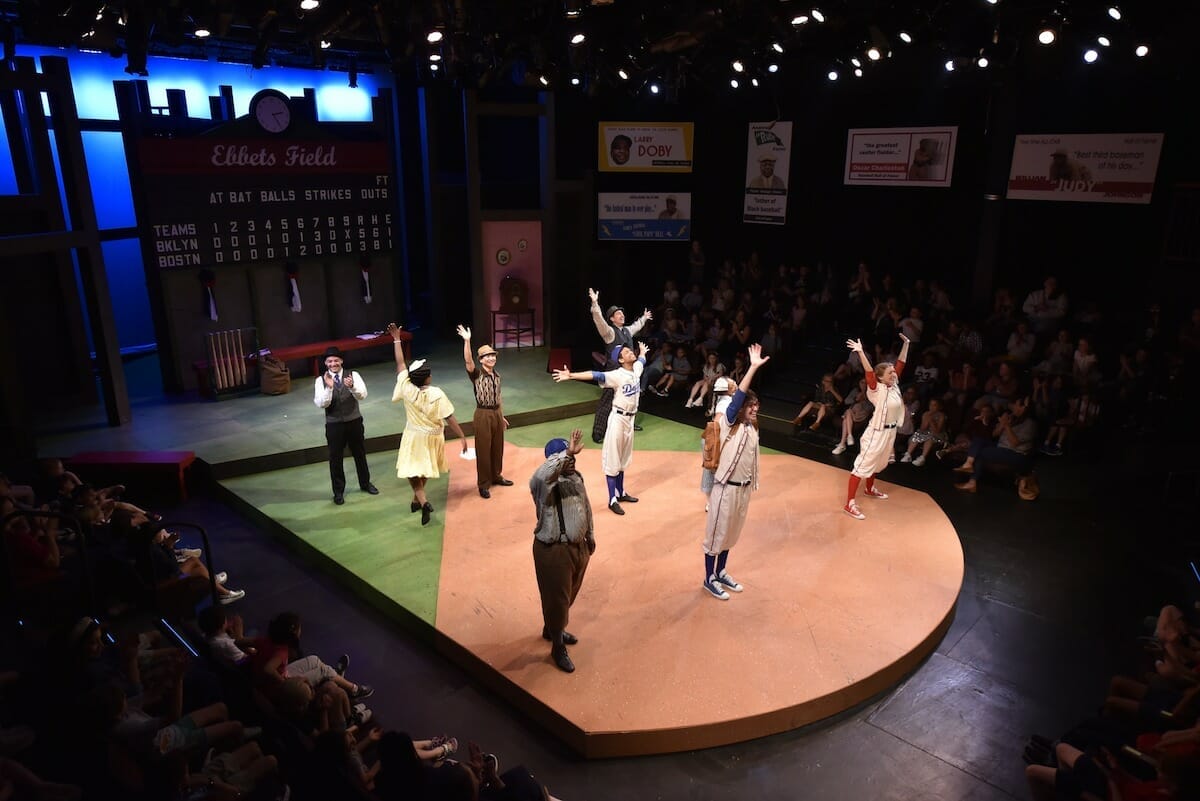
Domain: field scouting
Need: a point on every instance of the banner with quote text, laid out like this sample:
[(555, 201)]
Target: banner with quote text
[(646, 216), (900, 156), (1092, 168), (768, 159)]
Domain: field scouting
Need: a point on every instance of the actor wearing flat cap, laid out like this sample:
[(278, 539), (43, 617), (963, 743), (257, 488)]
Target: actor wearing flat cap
[(563, 541), (489, 416), (338, 393)]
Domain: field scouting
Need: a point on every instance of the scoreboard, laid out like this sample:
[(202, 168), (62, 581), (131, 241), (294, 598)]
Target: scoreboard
[(215, 202)]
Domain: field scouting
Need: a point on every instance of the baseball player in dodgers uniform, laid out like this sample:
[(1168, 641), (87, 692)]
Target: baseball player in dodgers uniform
[(878, 441), (625, 381)]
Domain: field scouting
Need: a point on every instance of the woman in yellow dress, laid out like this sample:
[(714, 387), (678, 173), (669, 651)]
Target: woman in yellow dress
[(422, 453)]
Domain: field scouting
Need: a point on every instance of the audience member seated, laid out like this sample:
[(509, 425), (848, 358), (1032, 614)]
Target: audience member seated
[(278, 657), (701, 389), (225, 635), (854, 419), (930, 435), (826, 402), (1015, 433), (1083, 412)]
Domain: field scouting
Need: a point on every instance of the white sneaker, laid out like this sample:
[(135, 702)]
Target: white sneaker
[(906, 458), (851, 508), (920, 460), (221, 577), (234, 595), (850, 440), (840, 449)]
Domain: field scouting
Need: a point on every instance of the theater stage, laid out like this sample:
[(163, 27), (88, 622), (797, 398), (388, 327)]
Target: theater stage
[(835, 610)]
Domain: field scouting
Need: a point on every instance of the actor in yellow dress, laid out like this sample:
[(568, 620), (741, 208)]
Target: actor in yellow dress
[(422, 453)]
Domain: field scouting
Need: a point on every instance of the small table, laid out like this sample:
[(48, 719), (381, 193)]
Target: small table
[(509, 329)]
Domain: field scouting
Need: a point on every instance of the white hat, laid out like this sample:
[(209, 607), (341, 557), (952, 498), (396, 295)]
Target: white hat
[(722, 384)]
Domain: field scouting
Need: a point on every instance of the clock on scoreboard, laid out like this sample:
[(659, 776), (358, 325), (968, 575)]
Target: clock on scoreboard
[(211, 201)]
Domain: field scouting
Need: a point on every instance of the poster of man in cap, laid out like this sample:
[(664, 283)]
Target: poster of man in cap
[(768, 158)]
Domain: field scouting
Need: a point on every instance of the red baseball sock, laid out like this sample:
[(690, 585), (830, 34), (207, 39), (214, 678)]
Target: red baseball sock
[(871, 484), (853, 489)]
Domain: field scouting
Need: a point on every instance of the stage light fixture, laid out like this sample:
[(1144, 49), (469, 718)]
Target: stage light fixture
[(1047, 36), (309, 5), (1103, 41), (435, 57), (982, 62), (578, 39), (733, 82), (992, 2), (623, 75), (1090, 56), (754, 82), (949, 65), (738, 66), (817, 15), (543, 80), (1141, 51), (772, 68), (434, 36), (858, 73), (856, 62), (434, 67), (906, 37), (833, 76), (202, 32), (874, 54), (1114, 12), (799, 20), (575, 80), (654, 89), (571, 9), (777, 47)]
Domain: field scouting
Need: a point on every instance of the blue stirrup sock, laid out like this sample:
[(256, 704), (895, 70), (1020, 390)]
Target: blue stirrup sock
[(621, 484), (612, 488), (721, 559), (710, 562)]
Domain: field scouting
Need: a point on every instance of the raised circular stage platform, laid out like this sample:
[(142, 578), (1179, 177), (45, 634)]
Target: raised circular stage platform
[(834, 611)]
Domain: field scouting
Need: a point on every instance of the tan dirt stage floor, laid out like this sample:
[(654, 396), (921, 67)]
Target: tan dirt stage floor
[(835, 610)]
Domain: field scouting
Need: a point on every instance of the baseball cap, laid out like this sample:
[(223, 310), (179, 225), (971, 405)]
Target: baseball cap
[(556, 445), (722, 384), (616, 353)]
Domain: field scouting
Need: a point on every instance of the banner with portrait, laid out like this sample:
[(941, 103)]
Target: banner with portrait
[(1092, 168), (646, 216), (768, 157), (645, 147), (900, 156)]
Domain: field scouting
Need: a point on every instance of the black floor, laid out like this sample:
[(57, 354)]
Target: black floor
[(1052, 600)]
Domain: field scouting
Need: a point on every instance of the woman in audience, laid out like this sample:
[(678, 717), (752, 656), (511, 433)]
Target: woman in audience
[(280, 657), (824, 403), (713, 368), (931, 434), (858, 411)]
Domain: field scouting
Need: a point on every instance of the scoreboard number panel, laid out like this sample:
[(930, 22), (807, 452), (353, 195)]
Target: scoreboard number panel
[(211, 202)]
